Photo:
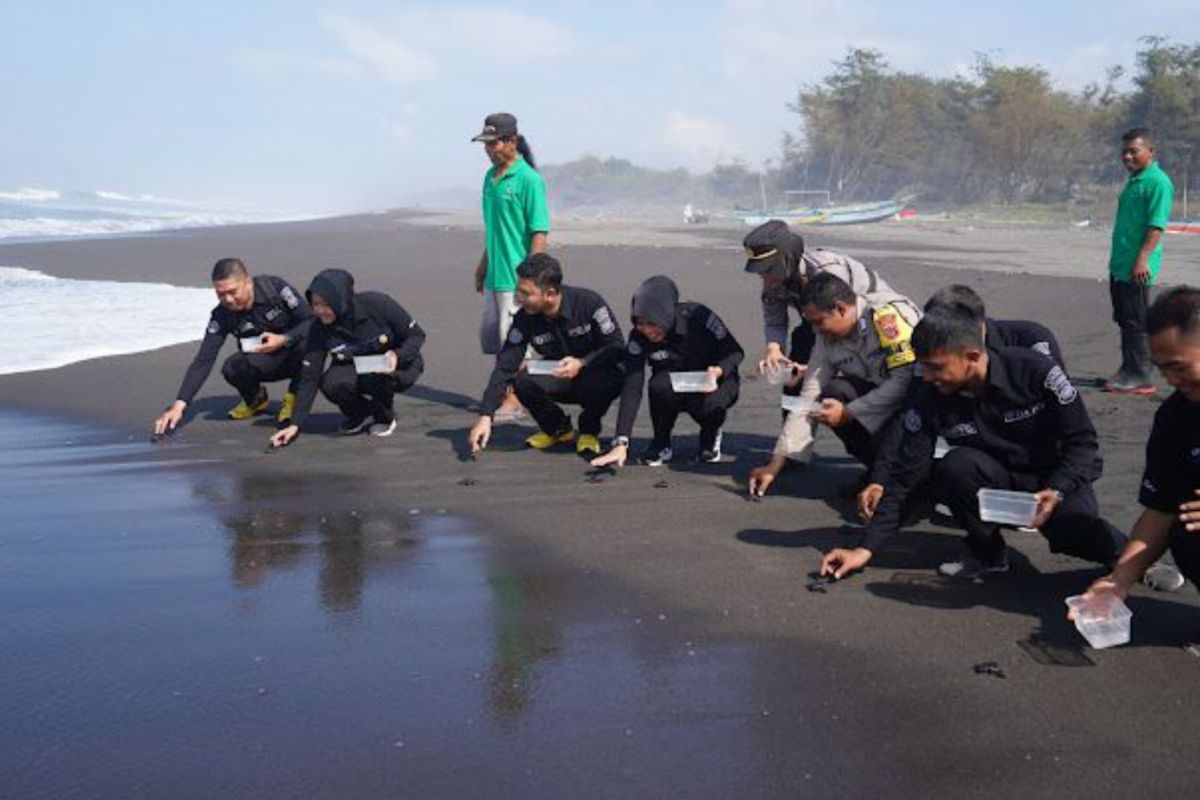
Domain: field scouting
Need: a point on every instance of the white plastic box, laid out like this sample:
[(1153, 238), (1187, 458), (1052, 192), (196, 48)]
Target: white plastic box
[(693, 382), (250, 344), (1007, 508), (1104, 620), (541, 366), (796, 405), (365, 365)]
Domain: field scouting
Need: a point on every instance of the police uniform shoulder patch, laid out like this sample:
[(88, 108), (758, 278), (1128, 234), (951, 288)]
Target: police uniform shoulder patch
[(213, 327), (634, 348), (1058, 382), (515, 336), (715, 326), (290, 297), (1041, 347), (604, 320), (894, 333), (912, 421)]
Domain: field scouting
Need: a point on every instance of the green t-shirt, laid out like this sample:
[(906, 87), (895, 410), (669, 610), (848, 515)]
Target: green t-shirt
[(514, 209), (1145, 203)]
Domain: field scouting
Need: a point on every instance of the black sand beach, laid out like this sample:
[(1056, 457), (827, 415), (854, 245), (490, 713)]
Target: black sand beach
[(366, 618)]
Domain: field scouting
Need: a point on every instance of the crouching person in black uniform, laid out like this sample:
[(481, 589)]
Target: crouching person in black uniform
[(1016, 423), (573, 327), (270, 319), (674, 337), (1170, 489), (356, 324)]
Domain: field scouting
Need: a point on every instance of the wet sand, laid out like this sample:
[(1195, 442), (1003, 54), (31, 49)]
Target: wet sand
[(607, 586)]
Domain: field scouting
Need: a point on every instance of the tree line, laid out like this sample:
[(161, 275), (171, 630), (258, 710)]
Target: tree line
[(1002, 134)]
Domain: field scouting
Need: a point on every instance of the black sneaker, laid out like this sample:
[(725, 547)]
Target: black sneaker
[(383, 423), (971, 568), (712, 453), (352, 426), (656, 456)]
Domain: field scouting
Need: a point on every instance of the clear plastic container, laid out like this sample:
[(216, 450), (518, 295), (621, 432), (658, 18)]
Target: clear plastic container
[(250, 344), (693, 382), (364, 365), (541, 366), (940, 448), (1104, 620), (778, 376), (1007, 508), (796, 405)]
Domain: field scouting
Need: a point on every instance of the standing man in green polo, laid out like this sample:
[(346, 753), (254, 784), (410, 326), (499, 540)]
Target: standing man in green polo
[(1133, 266), (516, 222)]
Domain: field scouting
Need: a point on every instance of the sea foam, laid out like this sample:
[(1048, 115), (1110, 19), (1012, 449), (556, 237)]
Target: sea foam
[(48, 322)]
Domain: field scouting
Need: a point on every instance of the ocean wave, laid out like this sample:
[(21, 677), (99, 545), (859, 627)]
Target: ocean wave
[(61, 321), (31, 195)]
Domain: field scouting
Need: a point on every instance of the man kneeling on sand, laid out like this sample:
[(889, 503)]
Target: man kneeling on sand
[(374, 347), (270, 320), (574, 330)]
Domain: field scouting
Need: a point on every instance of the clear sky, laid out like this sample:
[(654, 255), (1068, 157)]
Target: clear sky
[(343, 105)]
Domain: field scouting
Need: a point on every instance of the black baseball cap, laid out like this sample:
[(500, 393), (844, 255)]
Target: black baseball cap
[(497, 126), (766, 245)]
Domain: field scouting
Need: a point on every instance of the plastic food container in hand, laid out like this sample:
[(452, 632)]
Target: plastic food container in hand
[(693, 382), (541, 366), (776, 375), (250, 344), (364, 365), (1007, 508), (1103, 619), (796, 405)]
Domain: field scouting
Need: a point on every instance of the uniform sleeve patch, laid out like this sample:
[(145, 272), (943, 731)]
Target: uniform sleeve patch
[(634, 348), (894, 333), (912, 421), (1058, 382), (604, 320), (214, 327), (716, 327), (290, 297), (515, 336), (1041, 347)]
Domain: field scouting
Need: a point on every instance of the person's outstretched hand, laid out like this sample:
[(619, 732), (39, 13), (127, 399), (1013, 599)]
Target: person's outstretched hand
[(616, 455), (840, 561), (285, 436), (480, 434), (169, 420)]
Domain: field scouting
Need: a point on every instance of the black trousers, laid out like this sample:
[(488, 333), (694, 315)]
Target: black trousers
[(804, 338), (1076, 527), (1185, 549), (708, 410), (1129, 302), (246, 372), (593, 389), (372, 394), (858, 441)]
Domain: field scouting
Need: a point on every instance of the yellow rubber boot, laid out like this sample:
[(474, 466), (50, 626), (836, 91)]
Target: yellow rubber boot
[(588, 444), (243, 411), (542, 440), (287, 409)]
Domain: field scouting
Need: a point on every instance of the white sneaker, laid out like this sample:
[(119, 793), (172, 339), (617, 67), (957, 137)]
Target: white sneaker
[(656, 457), (1163, 578), (969, 567)]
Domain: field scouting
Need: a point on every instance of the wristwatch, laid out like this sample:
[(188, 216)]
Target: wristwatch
[(620, 441)]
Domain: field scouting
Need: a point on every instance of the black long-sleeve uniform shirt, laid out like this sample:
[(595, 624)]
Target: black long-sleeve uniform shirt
[(585, 328), (278, 308), (698, 340), (1172, 473), (367, 324), (1028, 416)]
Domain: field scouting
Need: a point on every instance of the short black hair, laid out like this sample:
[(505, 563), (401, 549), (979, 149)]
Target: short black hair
[(543, 269), (825, 290), (1145, 134), (228, 268), (1178, 308), (958, 294), (951, 328)]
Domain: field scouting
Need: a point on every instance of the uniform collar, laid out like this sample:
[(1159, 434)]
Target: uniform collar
[(517, 167), (1150, 168)]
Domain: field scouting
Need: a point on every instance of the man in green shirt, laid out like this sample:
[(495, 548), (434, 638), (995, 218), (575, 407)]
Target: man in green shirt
[(516, 222), (1142, 213)]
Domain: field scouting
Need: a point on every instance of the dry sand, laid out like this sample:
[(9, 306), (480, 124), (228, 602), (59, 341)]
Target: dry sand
[(879, 670)]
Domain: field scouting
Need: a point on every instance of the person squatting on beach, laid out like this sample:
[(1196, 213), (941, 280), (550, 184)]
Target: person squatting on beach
[(857, 379), (516, 222), (1015, 422), (1170, 489), (355, 324), (574, 327), (263, 308), (1143, 210), (996, 333), (777, 255), (673, 336)]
